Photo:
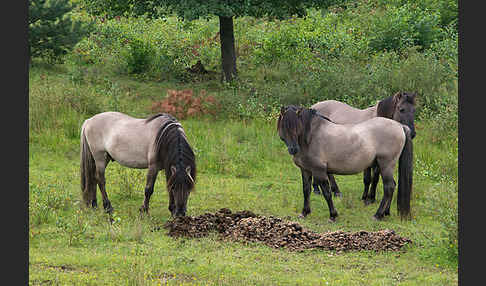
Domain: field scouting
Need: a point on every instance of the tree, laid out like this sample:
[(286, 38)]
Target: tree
[(226, 10), (51, 31)]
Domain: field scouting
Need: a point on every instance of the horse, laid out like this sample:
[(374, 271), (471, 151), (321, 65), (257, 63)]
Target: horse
[(155, 143), (399, 107), (320, 147)]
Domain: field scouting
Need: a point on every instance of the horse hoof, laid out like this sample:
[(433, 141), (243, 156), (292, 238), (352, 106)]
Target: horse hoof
[(302, 216), (317, 192), (368, 202), (332, 219), (377, 218), (338, 194)]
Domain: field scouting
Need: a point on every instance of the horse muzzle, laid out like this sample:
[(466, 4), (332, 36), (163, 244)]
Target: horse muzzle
[(179, 213), (293, 150)]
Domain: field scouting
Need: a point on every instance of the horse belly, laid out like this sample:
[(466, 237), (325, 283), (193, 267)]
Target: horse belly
[(133, 162), (352, 162), (129, 153)]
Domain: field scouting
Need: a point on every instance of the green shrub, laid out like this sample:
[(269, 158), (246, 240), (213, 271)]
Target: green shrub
[(397, 28), (138, 56)]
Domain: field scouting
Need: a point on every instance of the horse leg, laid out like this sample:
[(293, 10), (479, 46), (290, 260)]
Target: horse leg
[(315, 185), (326, 192), (374, 183), (334, 186), (366, 182), (171, 203), (306, 188), (149, 188), (100, 178), (388, 188)]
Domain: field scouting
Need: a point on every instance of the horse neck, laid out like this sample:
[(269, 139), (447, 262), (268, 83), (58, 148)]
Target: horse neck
[(317, 121), (387, 109)]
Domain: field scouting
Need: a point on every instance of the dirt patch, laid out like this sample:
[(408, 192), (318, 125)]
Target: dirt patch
[(245, 226)]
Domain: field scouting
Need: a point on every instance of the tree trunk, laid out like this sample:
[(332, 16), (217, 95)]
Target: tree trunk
[(228, 55)]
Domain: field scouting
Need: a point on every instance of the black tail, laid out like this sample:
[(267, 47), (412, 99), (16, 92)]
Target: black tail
[(405, 176), (88, 169)]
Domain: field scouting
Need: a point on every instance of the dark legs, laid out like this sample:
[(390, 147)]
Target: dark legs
[(100, 179), (149, 188), (334, 186), (323, 183), (388, 188), (367, 179), (306, 182), (326, 192)]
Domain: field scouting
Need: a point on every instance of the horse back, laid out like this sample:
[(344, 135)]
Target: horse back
[(350, 148), (126, 139), (386, 135), (342, 113)]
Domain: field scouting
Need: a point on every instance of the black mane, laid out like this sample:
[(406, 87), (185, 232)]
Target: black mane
[(174, 150), (386, 107)]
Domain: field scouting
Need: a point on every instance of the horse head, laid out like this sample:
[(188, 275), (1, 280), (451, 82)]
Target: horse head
[(399, 107), (178, 159), (404, 111), (180, 183), (292, 124)]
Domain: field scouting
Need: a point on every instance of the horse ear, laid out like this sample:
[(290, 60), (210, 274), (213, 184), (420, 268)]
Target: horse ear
[(173, 169), (188, 170), (397, 96)]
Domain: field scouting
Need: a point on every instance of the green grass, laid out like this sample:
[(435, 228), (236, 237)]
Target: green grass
[(242, 165)]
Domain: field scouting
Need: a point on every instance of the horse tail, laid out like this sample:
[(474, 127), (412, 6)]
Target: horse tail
[(88, 168), (405, 176)]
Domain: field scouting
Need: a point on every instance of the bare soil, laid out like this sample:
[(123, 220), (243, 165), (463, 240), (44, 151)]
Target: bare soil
[(245, 226)]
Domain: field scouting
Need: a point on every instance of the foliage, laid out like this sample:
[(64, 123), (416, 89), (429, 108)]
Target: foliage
[(138, 56), (52, 31), (396, 28), (183, 103), (194, 9)]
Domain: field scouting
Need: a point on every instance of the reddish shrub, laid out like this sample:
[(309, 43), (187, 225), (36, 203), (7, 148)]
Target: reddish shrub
[(183, 103)]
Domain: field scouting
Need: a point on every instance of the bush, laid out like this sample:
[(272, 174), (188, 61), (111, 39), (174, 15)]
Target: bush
[(139, 56), (398, 28), (183, 104)]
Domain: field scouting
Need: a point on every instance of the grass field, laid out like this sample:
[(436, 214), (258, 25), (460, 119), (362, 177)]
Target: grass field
[(242, 165)]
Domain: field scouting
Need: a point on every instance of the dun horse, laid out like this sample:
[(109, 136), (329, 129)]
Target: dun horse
[(320, 147), (155, 143), (399, 107)]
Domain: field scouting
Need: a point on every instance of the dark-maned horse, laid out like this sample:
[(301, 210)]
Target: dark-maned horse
[(155, 143), (320, 147), (399, 107)]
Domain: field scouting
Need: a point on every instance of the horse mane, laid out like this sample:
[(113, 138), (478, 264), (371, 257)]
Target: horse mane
[(148, 119), (386, 107), (288, 124), (301, 115), (174, 150)]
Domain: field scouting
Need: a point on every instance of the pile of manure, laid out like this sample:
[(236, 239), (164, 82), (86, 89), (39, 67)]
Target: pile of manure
[(245, 226)]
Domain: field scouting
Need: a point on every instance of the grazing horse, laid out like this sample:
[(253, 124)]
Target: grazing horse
[(155, 143), (320, 147), (399, 107)]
